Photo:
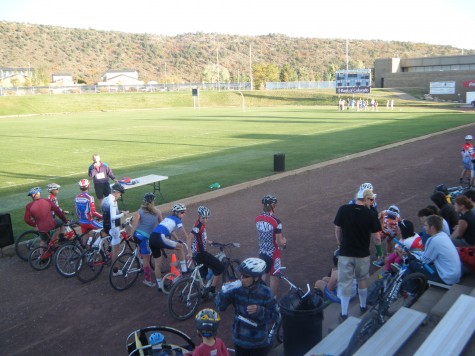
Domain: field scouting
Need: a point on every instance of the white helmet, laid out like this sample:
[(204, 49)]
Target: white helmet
[(254, 267), (52, 186), (204, 212), (366, 186), (469, 137), (178, 207)]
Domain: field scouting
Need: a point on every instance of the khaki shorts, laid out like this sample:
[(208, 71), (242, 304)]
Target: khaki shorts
[(349, 268)]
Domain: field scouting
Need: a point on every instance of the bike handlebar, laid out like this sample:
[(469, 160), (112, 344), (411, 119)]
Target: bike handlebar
[(405, 249), (223, 245)]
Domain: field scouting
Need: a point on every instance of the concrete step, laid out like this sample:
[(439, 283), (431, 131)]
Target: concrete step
[(448, 299)]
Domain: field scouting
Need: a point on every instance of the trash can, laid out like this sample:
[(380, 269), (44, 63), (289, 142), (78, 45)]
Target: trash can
[(6, 231), (301, 323), (279, 162)]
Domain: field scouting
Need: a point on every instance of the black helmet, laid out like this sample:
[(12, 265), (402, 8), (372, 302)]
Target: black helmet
[(149, 198), (207, 322), (269, 200), (117, 187)]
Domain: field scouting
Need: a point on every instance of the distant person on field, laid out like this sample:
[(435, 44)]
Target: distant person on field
[(100, 172), (38, 214)]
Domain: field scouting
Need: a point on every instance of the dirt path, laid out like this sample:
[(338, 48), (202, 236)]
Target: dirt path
[(44, 314)]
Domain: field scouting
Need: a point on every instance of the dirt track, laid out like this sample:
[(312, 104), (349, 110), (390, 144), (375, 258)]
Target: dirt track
[(44, 314)]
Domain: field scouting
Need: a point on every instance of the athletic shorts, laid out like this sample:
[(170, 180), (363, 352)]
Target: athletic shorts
[(209, 261), (102, 190), (143, 243), (159, 241), (58, 222), (272, 263), (350, 268), (93, 225)]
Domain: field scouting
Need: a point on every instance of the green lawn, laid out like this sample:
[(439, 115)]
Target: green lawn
[(193, 147)]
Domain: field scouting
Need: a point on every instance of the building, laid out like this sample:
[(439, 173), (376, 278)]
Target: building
[(446, 78), (63, 79), (120, 77), (14, 77)]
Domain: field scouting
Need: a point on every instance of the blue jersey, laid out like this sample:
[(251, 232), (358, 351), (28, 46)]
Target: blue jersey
[(168, 225)]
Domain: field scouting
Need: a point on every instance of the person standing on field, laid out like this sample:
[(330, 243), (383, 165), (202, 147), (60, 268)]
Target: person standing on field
[(100, 172)]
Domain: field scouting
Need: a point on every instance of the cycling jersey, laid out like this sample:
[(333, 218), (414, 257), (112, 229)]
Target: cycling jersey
[(101, 174), (38, 214), (267, 227), (168, 225), (389, 223), (110, 213), (199, 242), (85, 208)]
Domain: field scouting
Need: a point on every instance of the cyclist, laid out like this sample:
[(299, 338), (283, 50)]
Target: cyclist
[(160, 238), (207, 322), (111, 220), (197, 239), (269, 229), (86, 208), (255, 309), (389, 220), (53, 190), (143, 223), (100, 172), (38, 214)]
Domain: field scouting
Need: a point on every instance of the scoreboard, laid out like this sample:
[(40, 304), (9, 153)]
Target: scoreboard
[(353, 81)]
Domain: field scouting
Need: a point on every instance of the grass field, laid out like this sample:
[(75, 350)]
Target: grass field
[(193, 147)]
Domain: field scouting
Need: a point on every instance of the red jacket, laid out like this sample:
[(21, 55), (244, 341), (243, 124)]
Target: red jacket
[(38, 214)]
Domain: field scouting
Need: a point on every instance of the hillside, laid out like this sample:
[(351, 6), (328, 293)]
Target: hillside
[(86, 54)]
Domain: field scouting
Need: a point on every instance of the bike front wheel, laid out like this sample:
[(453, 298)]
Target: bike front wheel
[(127, 267), (167, 282), (412, 287), (27, 242), (231, 271), (40, 258), (90, 265), (66, 259), (365, 329), (184, 298)]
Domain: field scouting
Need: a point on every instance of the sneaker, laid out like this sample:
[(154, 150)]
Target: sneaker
[(378, 263), (149, 283), (362, 310), (342, 318)]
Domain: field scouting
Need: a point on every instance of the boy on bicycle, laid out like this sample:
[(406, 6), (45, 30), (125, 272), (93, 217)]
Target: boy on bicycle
[(197, 239), (53, 190), (38, 214)]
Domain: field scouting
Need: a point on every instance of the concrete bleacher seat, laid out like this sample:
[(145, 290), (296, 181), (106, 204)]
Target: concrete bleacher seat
[(393, 334), (452, 333)]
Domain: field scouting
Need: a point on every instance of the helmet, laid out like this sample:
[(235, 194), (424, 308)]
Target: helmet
[(366, 186), (394, 208), (156, 338), (117, 187), (441, 188), (469, 137), (83, 183), (254, 267), (149, 198), (52, 186), (204, 212), (178, 207), (269, 199), (34, 191), (336, 255), (207, 322)]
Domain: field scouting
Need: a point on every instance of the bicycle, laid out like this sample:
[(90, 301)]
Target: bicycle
[(92, 260), (30, 239), (40, 257), (130, 266), (400, 289), (230, 272)]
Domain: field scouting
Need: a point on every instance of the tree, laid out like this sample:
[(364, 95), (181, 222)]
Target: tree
[(210, 74), (288, 74), (264, 72), (41, 75)]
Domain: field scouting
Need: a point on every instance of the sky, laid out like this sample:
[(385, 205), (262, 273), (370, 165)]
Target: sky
[(445, 22)]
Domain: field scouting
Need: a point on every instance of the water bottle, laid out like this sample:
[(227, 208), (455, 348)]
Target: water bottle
[(226, 288), (89, 240)]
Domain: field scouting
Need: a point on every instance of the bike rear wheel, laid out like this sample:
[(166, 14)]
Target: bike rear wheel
[(27, 242), (412, 287), (184, 298), (231, 271), (90, 265), (128, 269), (365, 329), (40, 258), (66, 258)]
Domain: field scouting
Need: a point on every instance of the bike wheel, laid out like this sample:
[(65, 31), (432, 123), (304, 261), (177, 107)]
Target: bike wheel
[(231, 271), (27, 242), (184, 298), (412, 287), (128, 269), (66, 258), (168, 281), (90, 265), (40, 258), (365, 329)]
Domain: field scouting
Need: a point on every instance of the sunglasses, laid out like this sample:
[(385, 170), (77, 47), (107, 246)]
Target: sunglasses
[(370, 199)]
